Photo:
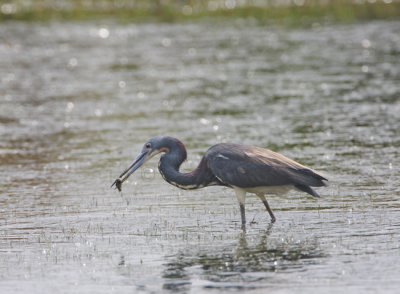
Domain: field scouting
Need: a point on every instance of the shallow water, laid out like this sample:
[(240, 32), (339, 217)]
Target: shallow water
[(78, 100)]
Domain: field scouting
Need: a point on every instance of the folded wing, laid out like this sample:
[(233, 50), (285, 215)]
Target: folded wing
[(247, 166)]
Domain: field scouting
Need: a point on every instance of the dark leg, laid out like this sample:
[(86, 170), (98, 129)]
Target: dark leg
[(273, 219), (243, 215), (241, 196), (264, 200)]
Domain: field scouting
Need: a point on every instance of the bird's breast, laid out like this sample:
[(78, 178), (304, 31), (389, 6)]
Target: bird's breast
[(277, 190), (185, 186)]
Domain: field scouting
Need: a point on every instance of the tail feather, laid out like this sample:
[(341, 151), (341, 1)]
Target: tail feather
[(308, 177), (308, 190)]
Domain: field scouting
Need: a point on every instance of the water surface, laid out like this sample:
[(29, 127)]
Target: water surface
[(78, 100)]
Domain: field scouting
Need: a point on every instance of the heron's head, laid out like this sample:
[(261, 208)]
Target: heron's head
[(151, 148)]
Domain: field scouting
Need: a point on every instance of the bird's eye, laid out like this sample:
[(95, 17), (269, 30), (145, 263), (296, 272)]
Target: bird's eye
[(148, 145)]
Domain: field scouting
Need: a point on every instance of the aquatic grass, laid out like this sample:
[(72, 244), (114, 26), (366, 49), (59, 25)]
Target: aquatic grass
[(279, 12)]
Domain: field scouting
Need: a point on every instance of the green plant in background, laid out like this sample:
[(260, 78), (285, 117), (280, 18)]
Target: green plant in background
[(277, 11)]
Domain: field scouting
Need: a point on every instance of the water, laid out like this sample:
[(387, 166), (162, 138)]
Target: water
[(78, 100)]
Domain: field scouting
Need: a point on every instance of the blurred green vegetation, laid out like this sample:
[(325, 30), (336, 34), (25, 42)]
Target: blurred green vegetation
[(274, 11)]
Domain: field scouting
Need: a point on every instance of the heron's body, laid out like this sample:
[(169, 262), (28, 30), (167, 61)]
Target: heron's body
[(241, 167)]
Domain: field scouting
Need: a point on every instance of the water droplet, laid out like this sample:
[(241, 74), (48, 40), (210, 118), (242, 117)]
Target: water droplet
[(166, 42), (121, 84), (148, 174), (215, 127), (98, 112), (366, 43), (365, 68), (104, 33), (73, 62), (70, 106), (204, 121)]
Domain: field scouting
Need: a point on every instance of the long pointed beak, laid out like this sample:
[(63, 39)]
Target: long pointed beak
[(138, 162)]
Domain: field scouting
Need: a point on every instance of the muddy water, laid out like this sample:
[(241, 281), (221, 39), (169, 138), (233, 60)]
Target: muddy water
[(79, 100)]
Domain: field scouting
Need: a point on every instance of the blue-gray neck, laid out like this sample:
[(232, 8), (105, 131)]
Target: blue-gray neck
[(169, 168)]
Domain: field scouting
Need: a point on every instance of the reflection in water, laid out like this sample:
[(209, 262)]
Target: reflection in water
[(238, 265)]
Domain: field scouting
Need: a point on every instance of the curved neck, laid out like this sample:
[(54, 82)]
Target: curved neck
[(169, 168)]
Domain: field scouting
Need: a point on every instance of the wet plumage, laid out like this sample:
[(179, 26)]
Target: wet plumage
[(241, 167)]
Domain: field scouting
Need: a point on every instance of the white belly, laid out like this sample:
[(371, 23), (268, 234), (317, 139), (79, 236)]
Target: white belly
[(277, 190)]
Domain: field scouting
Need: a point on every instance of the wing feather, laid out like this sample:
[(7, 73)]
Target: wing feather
[(247, 166)]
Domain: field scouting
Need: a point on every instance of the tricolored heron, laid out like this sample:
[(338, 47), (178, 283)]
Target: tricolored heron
[(241, 167)]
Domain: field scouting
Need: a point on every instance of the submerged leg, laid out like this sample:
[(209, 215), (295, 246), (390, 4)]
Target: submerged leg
[(241, 196), (264, 200)]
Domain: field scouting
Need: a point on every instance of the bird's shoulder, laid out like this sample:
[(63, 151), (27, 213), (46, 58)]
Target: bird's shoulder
[(258, 155), (227, 151)]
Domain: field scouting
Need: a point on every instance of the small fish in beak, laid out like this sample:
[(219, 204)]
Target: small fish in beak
[(118, 184), (146, 153)]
